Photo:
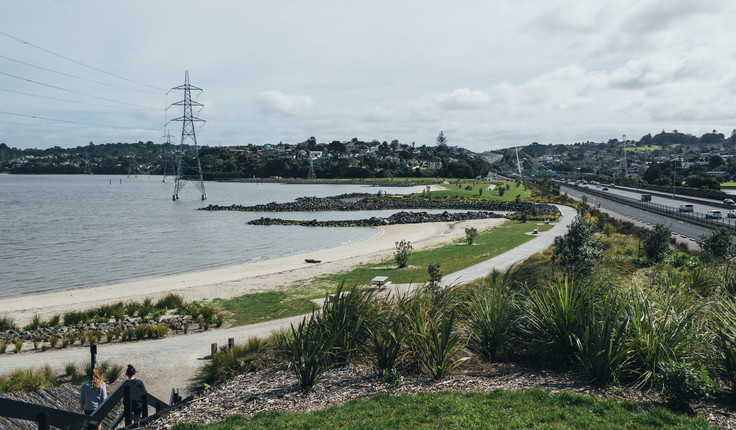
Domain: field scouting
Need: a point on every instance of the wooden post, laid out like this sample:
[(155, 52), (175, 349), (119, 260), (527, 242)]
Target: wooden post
[(127, 410), (93, 355), (144, 406), (230, 343), (213, 349), (43, 421)]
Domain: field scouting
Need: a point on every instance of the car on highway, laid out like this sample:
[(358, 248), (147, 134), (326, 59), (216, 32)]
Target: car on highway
[(686, 208), (713, 214), (728, 202), (731, 213), (605, 188)]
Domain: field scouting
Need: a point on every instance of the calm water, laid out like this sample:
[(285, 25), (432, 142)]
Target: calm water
[(61, 232)]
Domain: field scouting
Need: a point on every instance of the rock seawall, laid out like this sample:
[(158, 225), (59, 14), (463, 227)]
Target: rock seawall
[(397, 218)]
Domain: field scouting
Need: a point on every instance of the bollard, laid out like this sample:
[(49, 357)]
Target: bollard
[(213, 349), (230, 343)]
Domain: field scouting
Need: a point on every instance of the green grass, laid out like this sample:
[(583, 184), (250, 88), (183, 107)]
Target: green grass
[(643, 148), (454, 190), (452, 410), (728, 184), (260, 307), (452, 257)]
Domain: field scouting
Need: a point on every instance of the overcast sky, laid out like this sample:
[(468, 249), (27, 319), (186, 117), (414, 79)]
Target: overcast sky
[(490, 74)]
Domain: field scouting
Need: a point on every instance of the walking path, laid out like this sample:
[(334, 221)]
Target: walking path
[(173, 361)]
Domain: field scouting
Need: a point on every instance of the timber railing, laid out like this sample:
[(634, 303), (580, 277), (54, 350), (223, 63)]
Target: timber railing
[(46, 417)]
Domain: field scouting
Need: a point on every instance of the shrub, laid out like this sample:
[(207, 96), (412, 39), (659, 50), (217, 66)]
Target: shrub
[(228, 363), (18, 344), (491, 320), (602, 345), (346, 314), (664, 328), (55, 320), (402, 253), (309, 351), (112, 373), (718, 244), (7, 323), (34, 324), (436, 343), (470, 234), (681, 384), (387, 337), (577, 252), (73, 318), (435, 275), (70, 369), (551, 318), (656, 243)]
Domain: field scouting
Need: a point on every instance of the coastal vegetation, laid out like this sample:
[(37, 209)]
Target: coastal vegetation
[(654, 318), (118, 322)]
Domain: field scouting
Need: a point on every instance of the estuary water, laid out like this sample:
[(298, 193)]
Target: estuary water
[(62, 232)]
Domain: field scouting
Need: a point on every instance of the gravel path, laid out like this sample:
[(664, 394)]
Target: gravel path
[(173, 361)]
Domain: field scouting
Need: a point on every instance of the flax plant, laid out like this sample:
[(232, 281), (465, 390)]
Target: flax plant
[(386, 341), (665, 326), (551, 318), (603, 346), (492, 311), (309, 351)]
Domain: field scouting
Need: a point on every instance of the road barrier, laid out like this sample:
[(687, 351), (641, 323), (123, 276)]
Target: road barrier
[(672, 212)]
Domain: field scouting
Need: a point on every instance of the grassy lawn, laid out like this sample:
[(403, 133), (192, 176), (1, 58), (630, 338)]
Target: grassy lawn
[(460, 191), (452, 410), (728, 184), (452, 257), (259, 307)]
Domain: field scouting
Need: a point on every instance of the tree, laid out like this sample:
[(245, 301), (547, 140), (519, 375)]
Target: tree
[(435, 275), (470, 234), (718, 244), (577, 252), (441, 139), (403, 251), (656, 242)]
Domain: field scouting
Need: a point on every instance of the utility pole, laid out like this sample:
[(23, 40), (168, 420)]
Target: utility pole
[(185, 172)]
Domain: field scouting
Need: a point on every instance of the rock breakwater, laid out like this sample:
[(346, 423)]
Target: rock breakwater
[(363, 202), (397, 218)]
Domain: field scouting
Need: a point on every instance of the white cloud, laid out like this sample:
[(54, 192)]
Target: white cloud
[(465, 98), (276, 102)]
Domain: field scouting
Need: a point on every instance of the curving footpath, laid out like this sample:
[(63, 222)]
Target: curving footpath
[(173, 361)]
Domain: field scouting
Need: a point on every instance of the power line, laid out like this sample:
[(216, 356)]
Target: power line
[(75, 92), (63, 120), (76, 62), (69, 101), (78, 77)]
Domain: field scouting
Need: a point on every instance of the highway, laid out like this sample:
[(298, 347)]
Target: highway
[(681, 228)]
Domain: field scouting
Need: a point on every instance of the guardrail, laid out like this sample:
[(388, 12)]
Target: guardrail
[(672, 212)]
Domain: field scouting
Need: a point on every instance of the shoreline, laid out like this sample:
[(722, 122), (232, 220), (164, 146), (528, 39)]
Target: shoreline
[(234, 281)]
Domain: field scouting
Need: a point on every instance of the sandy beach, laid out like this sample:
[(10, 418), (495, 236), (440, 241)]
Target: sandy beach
[(243, 279)]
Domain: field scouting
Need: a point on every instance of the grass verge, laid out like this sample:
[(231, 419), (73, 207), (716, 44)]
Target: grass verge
[(260, 307), (534, 408)]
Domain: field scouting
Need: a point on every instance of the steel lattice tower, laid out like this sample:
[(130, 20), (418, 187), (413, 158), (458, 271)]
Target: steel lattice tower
[(311, 174), (185, 172)]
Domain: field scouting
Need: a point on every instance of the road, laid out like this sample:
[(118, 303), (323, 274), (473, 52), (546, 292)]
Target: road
[(691, 232), (173, 361)]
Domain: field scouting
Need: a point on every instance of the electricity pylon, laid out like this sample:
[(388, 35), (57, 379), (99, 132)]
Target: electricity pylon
[(185, 172)]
